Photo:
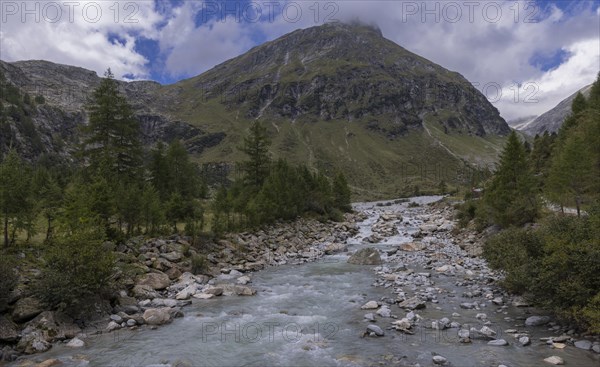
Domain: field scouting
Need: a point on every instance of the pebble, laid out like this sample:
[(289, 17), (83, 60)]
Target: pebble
[(375, 329), (556, 360), (498, 342), (524, 340)]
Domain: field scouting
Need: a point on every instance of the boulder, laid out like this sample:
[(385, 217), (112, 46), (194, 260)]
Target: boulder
[(26, 309), (75, 343), (144, 291), (53, 326), (8, 330), (365, 256), (371, 305), (537, 320), (242, 290), (187, 292), (157, 316), (156, 280), (583, 344), (172, 256), (413, 303), (375, 330)]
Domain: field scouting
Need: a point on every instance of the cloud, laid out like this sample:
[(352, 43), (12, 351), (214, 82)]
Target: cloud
[(490, 43), (78, 33)]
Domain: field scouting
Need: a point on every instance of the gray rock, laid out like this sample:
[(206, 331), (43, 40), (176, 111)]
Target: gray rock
[(157, 316), (8, 330), (26, 309), (498, 342), (144, 291), (537, 320), (371, 305), (583, 344), (556, 360), (464, 334), (596, 348), (116, 318), (439, 360), (156, 280), (524, 340), (172, 256), (370, 317), (112, 326), (131, 322), (375, 329), (413, 303), (365, 256), (76, 343), (334, 247), (384, 311)]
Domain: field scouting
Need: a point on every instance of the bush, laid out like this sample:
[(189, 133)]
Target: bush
[(516, 251), (199, 264), (8, 279), (77, 269), (558, 264), (466, 212)]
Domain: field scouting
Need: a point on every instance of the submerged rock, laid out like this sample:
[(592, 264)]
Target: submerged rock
[(365, 256)]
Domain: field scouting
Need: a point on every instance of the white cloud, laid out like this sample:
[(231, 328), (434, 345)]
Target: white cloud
[(77, 33), (487, 45)]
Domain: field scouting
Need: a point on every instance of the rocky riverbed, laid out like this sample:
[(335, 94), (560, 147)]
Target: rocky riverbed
[(396, 284)]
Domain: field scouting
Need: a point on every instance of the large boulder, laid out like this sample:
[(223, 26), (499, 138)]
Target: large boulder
[(365, 256), (26, 309), (537, 320), (53, 326), (144, 291), (157, 316), (157, 280), (8, 330)]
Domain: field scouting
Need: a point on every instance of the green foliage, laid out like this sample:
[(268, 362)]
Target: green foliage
[(557, 264), (16, 206), (517, 251), (199, 264), (77, 268), (341, 193), (256, 146), (40, 99), (112, 143), (8, 278), (575, 166), (511, 197), (466, 212)]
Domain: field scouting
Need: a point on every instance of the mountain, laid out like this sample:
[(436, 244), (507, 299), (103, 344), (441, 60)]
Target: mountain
[(552, 120), (336, 97)]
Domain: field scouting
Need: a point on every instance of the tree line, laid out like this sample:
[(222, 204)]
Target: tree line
[(556, 260), (118, 186)]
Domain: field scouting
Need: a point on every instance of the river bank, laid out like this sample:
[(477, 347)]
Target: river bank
[(431, 298)]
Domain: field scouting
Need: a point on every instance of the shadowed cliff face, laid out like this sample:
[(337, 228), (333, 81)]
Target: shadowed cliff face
[(336, 97)]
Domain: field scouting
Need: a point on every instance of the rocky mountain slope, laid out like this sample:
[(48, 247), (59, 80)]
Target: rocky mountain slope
[(552, 120), (337, 97)]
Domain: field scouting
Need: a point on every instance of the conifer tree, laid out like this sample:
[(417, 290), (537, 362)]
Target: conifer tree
[(256, 146), (511, 197), (15, 194), (112, 143)]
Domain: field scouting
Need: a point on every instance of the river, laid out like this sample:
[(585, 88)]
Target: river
[(310, 315)]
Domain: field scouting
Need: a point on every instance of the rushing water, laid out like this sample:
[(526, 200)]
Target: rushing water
[(309, 315)]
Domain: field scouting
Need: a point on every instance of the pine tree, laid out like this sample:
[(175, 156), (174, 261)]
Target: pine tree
[(256, 146), (511, 198), (341, 193), (112, 144), (579, 104), (15, 194)]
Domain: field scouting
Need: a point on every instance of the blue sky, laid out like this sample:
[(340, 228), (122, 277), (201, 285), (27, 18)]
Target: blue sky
[(536, 52)]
